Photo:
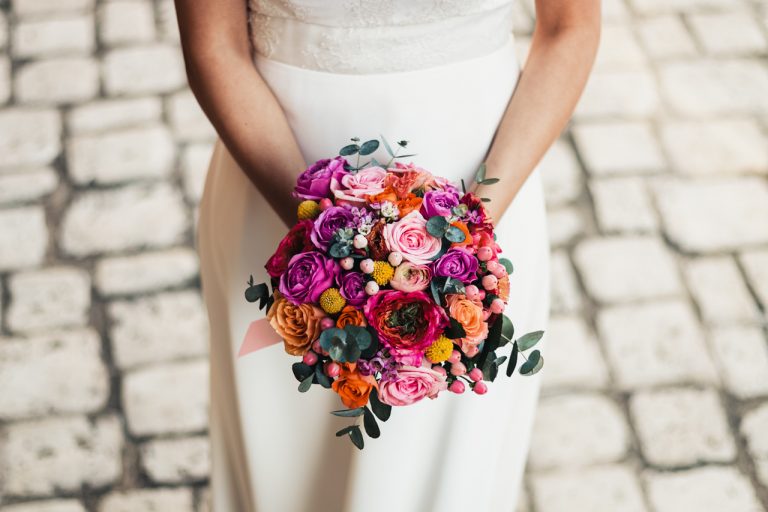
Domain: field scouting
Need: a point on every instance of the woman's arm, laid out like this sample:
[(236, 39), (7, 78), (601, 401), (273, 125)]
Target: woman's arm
[(239, 104), (562, 51)]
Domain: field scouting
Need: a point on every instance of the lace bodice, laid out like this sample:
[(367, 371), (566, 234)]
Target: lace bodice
[(377, 36)]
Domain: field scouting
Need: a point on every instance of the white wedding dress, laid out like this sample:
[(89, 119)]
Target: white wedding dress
[(437, 73)]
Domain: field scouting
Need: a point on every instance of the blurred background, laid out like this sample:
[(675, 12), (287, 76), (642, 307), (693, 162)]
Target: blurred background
[(656, 385)]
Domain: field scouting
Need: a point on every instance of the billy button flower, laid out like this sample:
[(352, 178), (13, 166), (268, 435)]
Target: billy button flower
[(382, 272), (331, 301), (440, 350), (308, 209)]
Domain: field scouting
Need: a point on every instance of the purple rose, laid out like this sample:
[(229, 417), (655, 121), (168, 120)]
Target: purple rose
[(353, 288), (439, 202), (308, 275), (328, 223), (315, 182), (457, 263)]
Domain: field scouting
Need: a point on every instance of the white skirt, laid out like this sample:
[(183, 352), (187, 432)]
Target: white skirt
[(274, 449)]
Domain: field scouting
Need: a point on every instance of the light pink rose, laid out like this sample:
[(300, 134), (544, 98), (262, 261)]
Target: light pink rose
[(409, 237), (352, 188), (411, 278), (410, 384)]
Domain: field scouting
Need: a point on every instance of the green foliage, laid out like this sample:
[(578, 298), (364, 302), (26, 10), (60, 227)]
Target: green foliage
[(369, 147), (351, 149), (437, 226), (380, 409), (507, 265), (369, 422), (512, 360), (534, 363), (306, 383), (345, 345), (529, 340), (455, 235)]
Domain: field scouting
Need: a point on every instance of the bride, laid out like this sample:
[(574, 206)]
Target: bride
[(287, 82)]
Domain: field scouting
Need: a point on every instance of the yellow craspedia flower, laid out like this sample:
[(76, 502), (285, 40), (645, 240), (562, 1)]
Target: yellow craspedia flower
[(382, 272), (331, 301), (308, 209), (440, 350)]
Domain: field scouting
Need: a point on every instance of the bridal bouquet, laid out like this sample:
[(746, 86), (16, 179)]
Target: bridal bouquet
[(390, 287)]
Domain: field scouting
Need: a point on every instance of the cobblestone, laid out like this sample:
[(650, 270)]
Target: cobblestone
[(37, 7), (104, 115), (623, 205), (30, 137), (46, 506), (150, 271), (708, 489), (755, 429), (27, 185), (126, 21), (618, 148), (742, 356), (179, 460), (563, 225), (755, 264), (149, 69), (63, 80), (730, 33), (665, 37), (565, 295), (720, 292), (23, 237), (52, 36), (177, 500), (619, 94), (573, 357)]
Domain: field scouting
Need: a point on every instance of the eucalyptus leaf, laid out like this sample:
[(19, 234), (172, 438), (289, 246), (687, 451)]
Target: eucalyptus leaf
[(529, 366), (507, 328), (387, 147), (301, 371), (490, 181), (455, 330), (402, 143), (359, 335), (434, 288), (480, 174), (345, 430), (369, 422), (507, 265), (348, 413), (256, 292), (529, 340), (437, 226), (369, 147), (306, 383), (512, 360), (485, 199), (380, 409), (349, 150), (463, 186), (340, 250), (455, 235), (406, 156), (357, 437), (321, 377), (375, 163)]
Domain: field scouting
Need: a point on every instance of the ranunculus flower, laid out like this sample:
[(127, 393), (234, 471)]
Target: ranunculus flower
[(408, 204), (411, 278), (350, 315), (406, 322), (439, 202), (315, 182), (410, 384), (352, 288), (457, 263), (328, 223), (409, 236), (470, 315), (296, 241), (352, 188), (298, 325), (308, 275), (353, 388), (404, 179)]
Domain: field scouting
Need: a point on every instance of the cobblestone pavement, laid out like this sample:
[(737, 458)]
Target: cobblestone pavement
[(656, 388)]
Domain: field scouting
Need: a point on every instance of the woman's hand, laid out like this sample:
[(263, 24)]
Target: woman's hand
[(237, 101), (562, 52)]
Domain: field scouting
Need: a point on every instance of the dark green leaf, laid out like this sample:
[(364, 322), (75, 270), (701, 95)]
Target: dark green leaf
[(491, 342), (507, 329), (306, 383), (434, 288), (256, 292), (480, 174), (348, 413), (512, 360), (380, 409), (437, 226), (485, 199), (374, 346), (455, 330), (507, 265), (321, 377), (375, 163), (387, 147), (463, 186), (406, 156), (357, 437), (490, 181), (345, 430), (453, 285), (528, 341), (340, 250), (358, 335), (369, 147), (301, 370), (369, 422), (349, 150), (455, 235), (402, 143), (529, 367)]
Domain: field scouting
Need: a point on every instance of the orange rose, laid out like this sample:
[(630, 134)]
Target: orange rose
[(465, 230), (350, 315), (503, 288), (353, 388), (299, 326), (407, 205), (387, 195), (470, 315)]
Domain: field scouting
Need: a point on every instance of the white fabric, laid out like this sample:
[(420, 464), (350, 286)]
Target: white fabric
[(374, 36), (274, 448)]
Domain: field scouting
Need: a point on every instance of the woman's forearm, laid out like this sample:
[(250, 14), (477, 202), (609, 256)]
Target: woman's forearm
[(549, 87)]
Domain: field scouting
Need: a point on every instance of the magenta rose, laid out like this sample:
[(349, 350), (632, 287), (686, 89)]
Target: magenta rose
[(457, 263), (410, 384), (352, 288), (352, 188), (296, 241), (411, 278), (328, 223), (409, 237), (315, 182), (406, 322), (308, 275), (439, 202)]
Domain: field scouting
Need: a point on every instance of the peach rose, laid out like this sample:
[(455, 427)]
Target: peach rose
[(353, 188), (353, 388), (350, 315), (470, 315), (503, 288), (411, 278), (409, 236), (298, 325)]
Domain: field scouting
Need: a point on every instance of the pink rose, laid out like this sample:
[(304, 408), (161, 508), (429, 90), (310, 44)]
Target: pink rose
[(352, 188), (411, 278), (409, 237), (410, 384)]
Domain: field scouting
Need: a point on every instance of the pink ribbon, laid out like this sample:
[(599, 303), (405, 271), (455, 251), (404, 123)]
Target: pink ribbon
[(260, 335)]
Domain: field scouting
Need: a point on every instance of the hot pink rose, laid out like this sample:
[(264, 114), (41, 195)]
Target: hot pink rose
[(352, 188), (409, 237), (411, 278), (410, 384)]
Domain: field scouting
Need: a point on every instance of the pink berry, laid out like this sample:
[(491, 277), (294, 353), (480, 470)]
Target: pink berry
[(484, 253), (327, 323), (395, 258), (347, 263), (332, 370), (482, 294), (499, 271), (325, 203), (310, 358), (497, 306), (480, 387), (472, 351), (439, 369), (317, 347), (490, 282), (476, 374), (455, 357), (366, 265), (472, 292), (458, 369), (360, 242), (457, 387), (491, 265), (371, 288)]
